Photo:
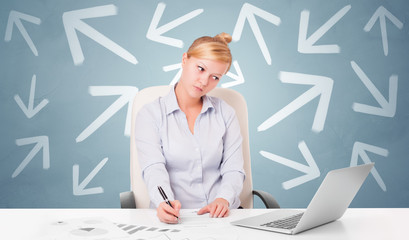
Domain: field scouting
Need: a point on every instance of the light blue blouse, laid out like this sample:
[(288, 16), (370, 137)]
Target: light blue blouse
[(192, 168)]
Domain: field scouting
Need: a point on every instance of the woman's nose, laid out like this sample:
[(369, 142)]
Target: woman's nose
[(204, 80)]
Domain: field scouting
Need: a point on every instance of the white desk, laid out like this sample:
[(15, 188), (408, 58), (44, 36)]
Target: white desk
[(355, 224)]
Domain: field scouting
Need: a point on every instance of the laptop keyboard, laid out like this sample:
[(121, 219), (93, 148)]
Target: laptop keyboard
[(285, 223)]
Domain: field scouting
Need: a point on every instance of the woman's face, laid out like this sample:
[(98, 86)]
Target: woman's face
[(200, 76)]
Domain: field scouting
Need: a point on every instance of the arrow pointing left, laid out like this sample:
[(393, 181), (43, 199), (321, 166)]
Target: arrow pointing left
[(73, 22), (322, 86), (359, 150), (155, 33), (311, 171), (247, 12), (79, 189), (41, 143), (238, 78), (30, 110), (306, 45), (127, 95), (15, 18)]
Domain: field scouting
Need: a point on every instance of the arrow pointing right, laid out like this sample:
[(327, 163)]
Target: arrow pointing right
[(127, 94), (79, 189), (311, 171), (73, 21), (359, 150), (322, 86), (387, 109), (41, 143), (238, 79), (15, 17), (172, 68)]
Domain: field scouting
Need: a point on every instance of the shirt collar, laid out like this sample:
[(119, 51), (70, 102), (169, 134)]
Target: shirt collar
[(172, 105)]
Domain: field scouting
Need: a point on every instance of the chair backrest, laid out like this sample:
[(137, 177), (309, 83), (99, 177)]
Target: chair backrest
[(233, 98)]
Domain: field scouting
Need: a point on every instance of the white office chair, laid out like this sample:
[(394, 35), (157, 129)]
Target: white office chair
[(138, 197)]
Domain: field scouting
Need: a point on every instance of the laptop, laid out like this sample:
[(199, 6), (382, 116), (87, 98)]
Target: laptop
[(328, 204)]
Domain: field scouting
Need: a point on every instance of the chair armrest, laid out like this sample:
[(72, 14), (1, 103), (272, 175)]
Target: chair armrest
[(127, 199), (267, 199)]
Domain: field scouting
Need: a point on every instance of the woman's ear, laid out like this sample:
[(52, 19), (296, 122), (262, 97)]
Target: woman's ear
[(184, 59)]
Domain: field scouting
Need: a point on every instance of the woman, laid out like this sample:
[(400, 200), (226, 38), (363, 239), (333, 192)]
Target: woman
[(189, 143)]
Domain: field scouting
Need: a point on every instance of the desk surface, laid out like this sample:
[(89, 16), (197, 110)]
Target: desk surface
[(368, 223)]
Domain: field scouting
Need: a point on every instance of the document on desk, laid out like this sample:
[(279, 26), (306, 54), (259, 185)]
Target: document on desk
[(81, 228), (191, 227)]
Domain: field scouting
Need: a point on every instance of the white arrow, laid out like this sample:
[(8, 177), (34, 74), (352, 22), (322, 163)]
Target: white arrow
[(73, 22), (41, 143), (382, 14), (311, 171), (79, 189), (172, 68), (239, 79), (29, 110), (322, 86), (155, 33), (387, 109), (359, 150), (247, 12), (15, 18), (127, 95), (306, 45)]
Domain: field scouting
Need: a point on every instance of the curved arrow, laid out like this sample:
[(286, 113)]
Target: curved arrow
[(311, 171), (15, 17), (41, 143), (322, 86), (359, 150), (127, 94), (306, 45), (387, 109), (247, 12), (30, 110), (155, 33), (79, 189), (73, 22), (382, 13)]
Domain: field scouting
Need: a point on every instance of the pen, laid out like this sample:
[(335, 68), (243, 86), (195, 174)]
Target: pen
[(165, 197)]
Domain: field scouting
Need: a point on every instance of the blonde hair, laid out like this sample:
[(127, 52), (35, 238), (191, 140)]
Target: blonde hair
[(213, 48)]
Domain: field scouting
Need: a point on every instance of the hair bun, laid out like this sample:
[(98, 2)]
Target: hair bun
[(225, 37)]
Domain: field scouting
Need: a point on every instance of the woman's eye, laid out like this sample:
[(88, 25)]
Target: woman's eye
[(215, 78), (200, 68)]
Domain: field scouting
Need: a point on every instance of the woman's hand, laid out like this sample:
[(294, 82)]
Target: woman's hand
[(218, 208), (167, 214)]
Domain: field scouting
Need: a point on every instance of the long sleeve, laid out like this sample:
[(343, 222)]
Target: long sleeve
[(150, 155)]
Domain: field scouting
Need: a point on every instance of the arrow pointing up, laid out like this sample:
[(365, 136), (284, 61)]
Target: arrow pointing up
[(73, 21), (15, 18), (127, 94), (30, 111), (238, 78), (359, 150), (41, 143), (311, 171), (306, 45), (322, 86), (247, 12), (382, 13), (155, 33), (387, 109), (79, 189)]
